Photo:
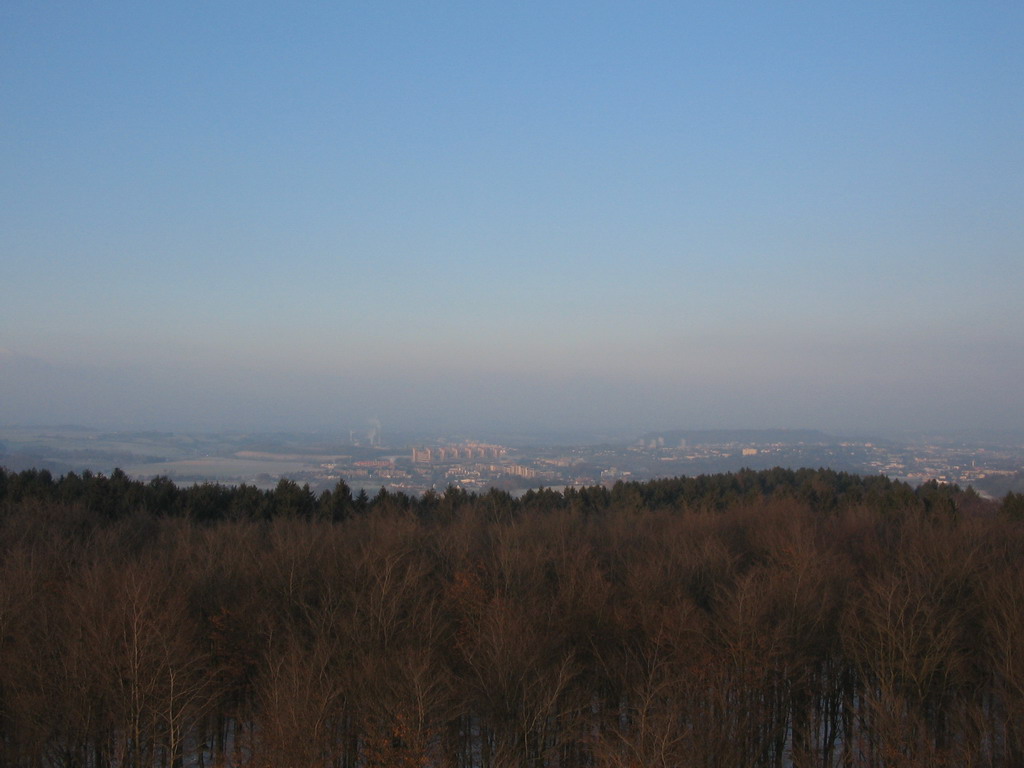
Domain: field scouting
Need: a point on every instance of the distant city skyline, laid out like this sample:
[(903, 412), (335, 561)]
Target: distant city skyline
[(548, 216), (992, 465)]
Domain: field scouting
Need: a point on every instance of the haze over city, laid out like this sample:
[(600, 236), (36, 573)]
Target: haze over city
[(535, 216)]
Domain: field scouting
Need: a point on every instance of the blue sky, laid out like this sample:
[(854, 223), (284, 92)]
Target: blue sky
[(526, 215)]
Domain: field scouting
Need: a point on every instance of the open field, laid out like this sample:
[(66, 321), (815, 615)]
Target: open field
[(221, 469)]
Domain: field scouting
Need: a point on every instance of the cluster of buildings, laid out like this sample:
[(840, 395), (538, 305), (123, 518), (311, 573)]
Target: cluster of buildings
[(477, 467), (442, 453)]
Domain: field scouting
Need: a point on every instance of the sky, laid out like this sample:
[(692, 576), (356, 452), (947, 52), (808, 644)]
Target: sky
[(525, 216)]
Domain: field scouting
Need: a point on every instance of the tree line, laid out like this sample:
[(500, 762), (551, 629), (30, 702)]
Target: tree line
[(775, 618)]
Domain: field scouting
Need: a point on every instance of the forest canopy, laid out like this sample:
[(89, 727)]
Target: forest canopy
[(769, 618)]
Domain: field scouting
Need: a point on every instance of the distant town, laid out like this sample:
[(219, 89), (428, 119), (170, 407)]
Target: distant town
[(366, 460)]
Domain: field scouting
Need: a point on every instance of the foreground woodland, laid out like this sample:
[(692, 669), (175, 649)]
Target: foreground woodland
[(776, 618)]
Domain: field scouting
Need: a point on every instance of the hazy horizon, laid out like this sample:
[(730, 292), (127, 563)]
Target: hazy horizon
[(566, 216)]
